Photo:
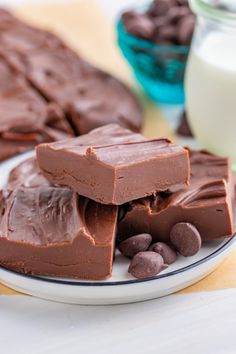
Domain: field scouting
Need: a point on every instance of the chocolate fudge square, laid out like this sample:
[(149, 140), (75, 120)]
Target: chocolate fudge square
[(207, 203), (51, 230), (10, 79), (112, 165)]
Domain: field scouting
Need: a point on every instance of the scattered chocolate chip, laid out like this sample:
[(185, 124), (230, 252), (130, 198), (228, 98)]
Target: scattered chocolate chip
[(168, 254), (146, 264), (185, 238), (132, 245)]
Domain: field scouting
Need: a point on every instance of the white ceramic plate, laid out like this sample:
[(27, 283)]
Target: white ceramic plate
[(121, 287)]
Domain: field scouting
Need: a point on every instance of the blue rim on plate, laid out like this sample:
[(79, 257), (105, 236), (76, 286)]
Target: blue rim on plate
[(222, 248)]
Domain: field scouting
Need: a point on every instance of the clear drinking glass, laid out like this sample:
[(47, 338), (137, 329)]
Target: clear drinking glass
[(210, 80)]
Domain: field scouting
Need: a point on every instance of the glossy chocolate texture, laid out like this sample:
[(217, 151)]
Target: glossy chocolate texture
[(166, 22), (111, 170), (26, 119), (63, 77), (206, 203), (81, 89), (51, 230)]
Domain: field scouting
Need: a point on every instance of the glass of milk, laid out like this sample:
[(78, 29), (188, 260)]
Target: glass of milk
[(210, 80)]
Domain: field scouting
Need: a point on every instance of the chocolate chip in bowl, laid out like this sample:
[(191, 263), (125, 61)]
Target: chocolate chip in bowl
[(135, 244), (167, 252), (155, 40)]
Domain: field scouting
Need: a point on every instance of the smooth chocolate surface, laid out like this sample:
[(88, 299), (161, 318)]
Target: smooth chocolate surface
[(7, 20), (206, 203), (98, 100), (23, 39), (167, 252), (50, 230), (62, 76), (205, 165), (26, 119), (81, 89), (111, 170)]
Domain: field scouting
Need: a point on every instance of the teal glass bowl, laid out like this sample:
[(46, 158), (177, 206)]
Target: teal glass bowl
[(159, 69)]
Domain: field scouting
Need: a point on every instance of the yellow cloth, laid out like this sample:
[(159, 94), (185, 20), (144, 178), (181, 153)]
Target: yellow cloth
[(83, 26)]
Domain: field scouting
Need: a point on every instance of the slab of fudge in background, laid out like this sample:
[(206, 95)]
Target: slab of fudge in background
[(23, 39), (7, 20), (207, 203), (26, 119), (62, 76), (50, 230), (20, 37), (109, 171), (81, 89), (10, 79)]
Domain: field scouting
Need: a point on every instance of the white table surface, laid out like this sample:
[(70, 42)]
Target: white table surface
[(200, 323)]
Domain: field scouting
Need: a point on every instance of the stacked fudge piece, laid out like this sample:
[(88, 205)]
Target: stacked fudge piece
[(51, 230), (48, 92), (60, 215)]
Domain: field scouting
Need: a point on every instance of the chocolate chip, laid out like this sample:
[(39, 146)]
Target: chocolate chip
[(185, 238), (146, 264), (185, 29), (164, 22), (132, 245), (160, 22), (177, 13), (128, 15), (168, 254), (140, 26), (160, 7), (182, 2)]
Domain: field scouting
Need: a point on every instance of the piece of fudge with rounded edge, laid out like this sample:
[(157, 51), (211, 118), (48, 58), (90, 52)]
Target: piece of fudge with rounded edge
[(113, 170)]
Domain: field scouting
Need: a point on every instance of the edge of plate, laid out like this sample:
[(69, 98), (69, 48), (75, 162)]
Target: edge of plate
[(218, 251)]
